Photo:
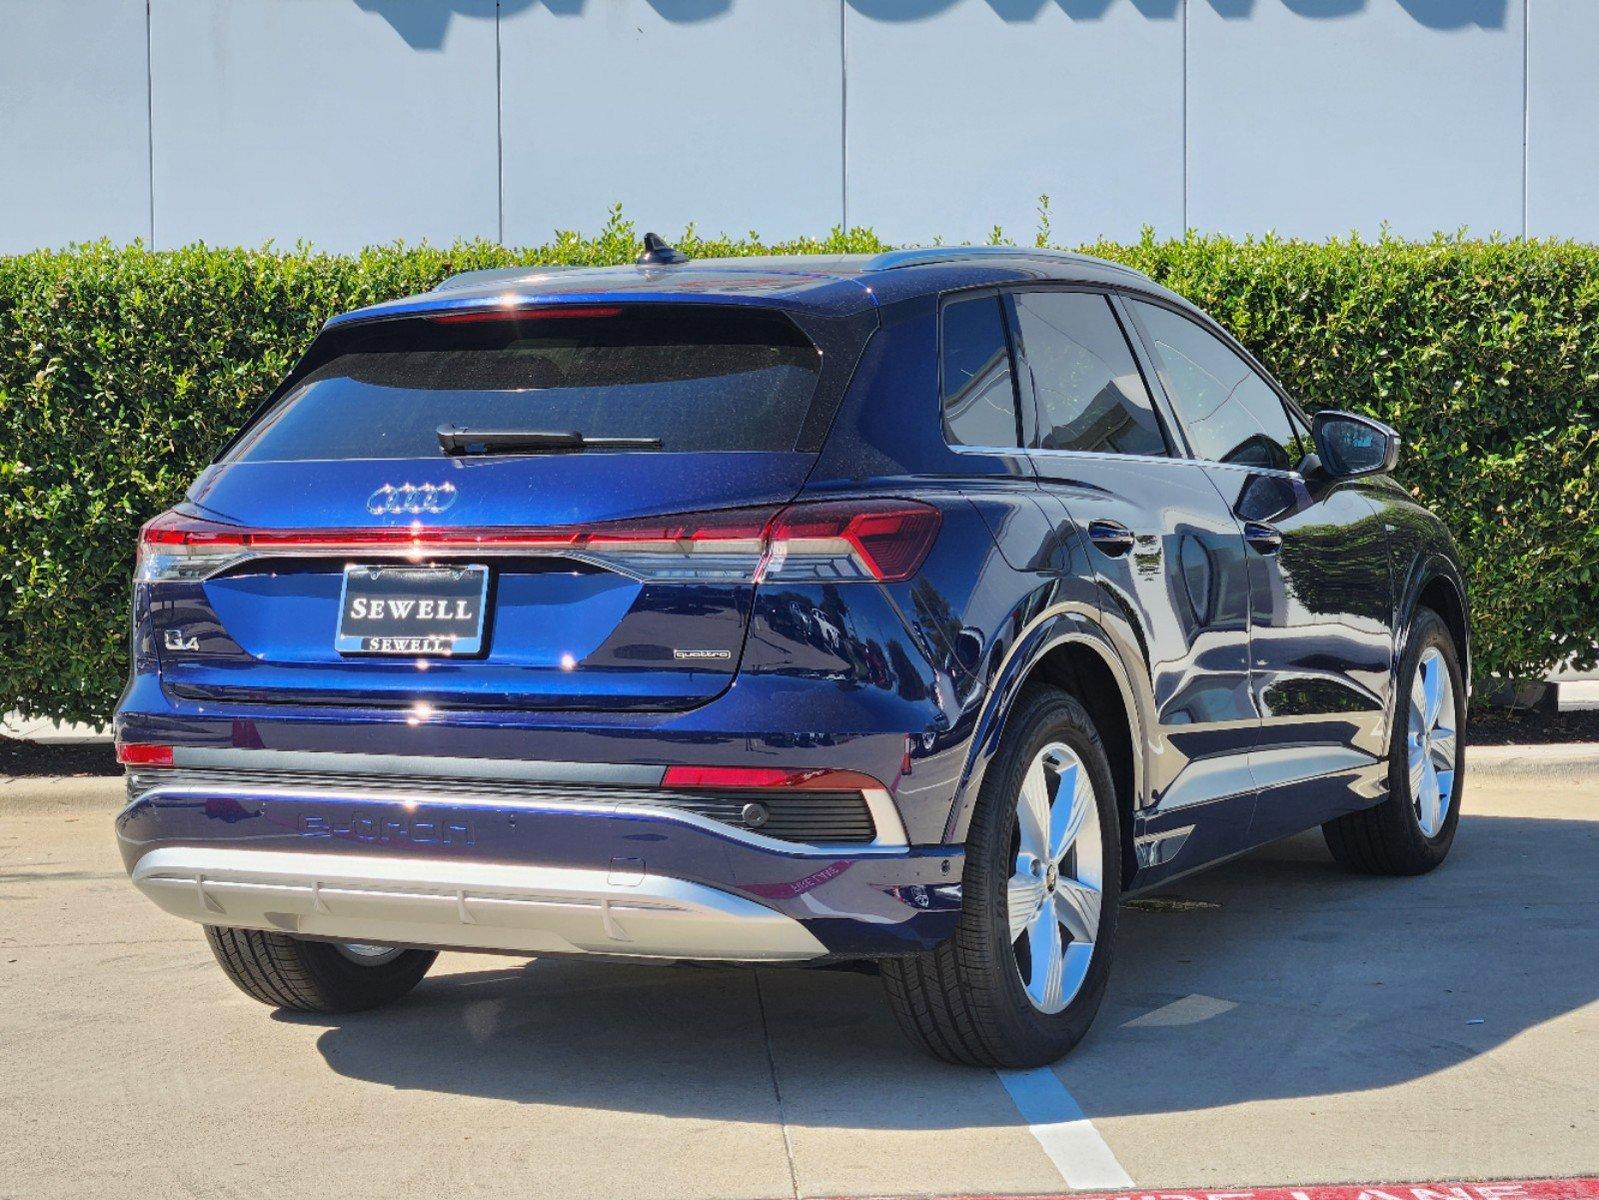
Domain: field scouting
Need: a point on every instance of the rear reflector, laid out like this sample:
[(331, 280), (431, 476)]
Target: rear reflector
[(144, 754), (832, 541), (746, 778)]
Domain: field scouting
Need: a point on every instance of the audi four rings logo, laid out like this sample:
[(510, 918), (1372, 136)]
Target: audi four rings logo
[(394, 499)]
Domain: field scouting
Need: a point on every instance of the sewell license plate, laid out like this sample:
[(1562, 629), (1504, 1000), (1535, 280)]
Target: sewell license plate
[(412, 610)]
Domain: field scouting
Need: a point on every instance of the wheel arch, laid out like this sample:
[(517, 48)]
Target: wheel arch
[(1435, 583), (1072, 652)]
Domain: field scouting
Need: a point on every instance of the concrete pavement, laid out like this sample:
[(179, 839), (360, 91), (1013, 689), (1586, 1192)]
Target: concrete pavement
[(1283, 1023)]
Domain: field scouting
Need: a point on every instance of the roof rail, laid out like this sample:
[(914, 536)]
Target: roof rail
[(892, 260)]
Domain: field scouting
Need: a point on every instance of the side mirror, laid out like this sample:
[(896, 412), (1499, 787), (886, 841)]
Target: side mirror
[(1349, 444)]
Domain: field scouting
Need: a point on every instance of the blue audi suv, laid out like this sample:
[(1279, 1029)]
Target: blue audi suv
[(911, 609)]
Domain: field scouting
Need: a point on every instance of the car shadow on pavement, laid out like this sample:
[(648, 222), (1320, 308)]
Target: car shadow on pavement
[(1279, 975)]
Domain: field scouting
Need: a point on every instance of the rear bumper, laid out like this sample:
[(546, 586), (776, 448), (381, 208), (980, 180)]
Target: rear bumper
[(821, 721), (467, 905), (503, 865)]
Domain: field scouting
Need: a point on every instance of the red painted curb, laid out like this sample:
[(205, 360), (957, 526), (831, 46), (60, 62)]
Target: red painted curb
[(1502, 1189)]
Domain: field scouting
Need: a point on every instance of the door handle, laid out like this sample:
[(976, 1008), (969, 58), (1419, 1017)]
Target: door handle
[(1263, 538), (1110, 537)]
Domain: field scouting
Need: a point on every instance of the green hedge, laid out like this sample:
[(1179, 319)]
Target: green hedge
[(121, 370)]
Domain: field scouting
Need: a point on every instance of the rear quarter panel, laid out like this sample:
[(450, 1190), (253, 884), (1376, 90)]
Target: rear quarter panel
[(1002, 570)]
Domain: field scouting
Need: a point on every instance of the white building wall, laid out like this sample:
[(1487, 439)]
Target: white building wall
[(729, 121), (1563, 119), (74, 123), (960, 116), (351, 122), (320, 119), (1318, 117)]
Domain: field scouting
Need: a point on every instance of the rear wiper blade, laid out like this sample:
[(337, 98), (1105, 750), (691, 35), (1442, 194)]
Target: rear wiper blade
[(454, 439)]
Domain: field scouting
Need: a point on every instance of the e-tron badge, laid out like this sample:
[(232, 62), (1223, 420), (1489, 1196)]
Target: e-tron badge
[(394, 499)]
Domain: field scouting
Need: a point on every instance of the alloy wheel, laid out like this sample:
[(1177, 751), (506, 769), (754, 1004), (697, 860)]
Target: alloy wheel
[(1053, 897), (1431, 744)]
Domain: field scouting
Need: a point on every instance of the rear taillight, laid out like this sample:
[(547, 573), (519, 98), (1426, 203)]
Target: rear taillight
[(833, 541), (728, 545), (885, 540)]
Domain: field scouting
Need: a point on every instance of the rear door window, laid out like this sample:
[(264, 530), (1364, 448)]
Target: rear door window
[(979, 391), (1231, 414), (1089, 391), (698, 378)]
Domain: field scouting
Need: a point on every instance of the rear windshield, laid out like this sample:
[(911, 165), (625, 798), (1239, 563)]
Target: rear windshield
[(696, 378)]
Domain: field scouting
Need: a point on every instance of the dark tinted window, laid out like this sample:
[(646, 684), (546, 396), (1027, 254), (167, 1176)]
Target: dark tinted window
[(696, 378), (1089, 390), (1232, 415), (979, 395)]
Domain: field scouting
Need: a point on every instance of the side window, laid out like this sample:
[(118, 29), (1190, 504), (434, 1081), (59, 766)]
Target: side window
[(1232, 415), (1089, 390), (979, 393)]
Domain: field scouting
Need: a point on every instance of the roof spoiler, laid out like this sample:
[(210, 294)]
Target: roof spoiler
[(466, 279), (657, 253)]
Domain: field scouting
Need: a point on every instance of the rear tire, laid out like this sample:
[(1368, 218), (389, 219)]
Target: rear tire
[(320, 977), (982, 998), (1393, 838)]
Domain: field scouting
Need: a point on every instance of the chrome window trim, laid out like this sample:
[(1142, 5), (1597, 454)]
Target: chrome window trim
[(1107, 455), (1014, 451), (1276, 472)]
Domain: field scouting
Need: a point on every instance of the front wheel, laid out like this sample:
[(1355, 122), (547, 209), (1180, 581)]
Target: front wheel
[(1020, 981), (323, 977), (1411, 832)]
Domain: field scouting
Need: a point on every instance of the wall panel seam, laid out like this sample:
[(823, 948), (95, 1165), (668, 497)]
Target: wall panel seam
[(499, 125), (843, 118), (149, 118), (1526, 118), (1184, 230)]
